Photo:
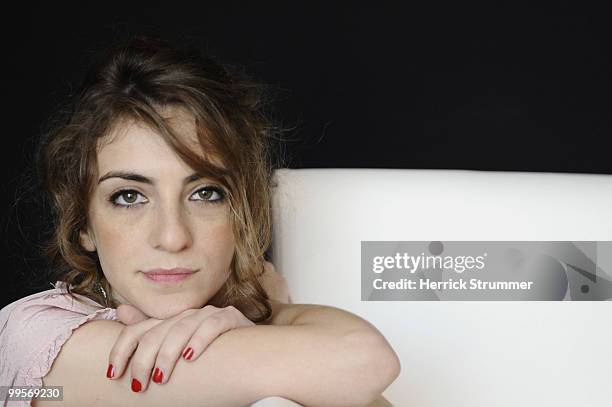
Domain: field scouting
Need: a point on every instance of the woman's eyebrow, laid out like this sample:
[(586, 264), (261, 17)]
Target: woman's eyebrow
[(132, 176)]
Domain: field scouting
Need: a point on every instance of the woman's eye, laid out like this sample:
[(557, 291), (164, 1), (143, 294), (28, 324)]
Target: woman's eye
[(128, 197), (207, 192)]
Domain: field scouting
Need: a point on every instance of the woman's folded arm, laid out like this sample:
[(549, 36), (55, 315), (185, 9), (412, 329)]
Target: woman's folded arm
[(314, 355), (354, 356)]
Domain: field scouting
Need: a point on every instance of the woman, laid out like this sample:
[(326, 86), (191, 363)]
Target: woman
[(160, 181)]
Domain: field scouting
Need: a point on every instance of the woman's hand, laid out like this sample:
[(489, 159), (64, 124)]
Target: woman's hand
[(156, 345)]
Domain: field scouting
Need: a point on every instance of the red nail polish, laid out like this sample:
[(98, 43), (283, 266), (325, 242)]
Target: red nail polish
[(110, 371), (188, 353), (158, 375), (136, 386)]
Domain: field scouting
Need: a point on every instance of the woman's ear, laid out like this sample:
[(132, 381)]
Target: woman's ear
[(86, 241)]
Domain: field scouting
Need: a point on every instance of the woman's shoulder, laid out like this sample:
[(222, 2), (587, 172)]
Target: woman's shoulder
[(34, 328), (55, 297), (275, 284), (45, 308)]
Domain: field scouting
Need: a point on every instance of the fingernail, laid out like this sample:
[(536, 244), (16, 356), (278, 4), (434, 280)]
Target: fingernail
[(188, 353), (136, 386), (110, 371), (158, 375)]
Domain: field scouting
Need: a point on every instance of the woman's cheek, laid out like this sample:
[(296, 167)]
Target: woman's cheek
[(118, 243), (117, 254)]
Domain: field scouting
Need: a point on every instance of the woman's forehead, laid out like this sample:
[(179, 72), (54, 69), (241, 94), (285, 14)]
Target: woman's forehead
[(133, 142), (178, 118)]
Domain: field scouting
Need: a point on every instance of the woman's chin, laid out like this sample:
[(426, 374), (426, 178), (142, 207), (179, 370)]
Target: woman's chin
[(168, 311)]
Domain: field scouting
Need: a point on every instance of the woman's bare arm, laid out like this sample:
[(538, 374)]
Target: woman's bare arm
[(277, 288), (373, 378), (217, 378), (312, 364)]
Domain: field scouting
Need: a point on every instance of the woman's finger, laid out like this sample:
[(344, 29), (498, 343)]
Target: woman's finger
[(175, 342), (125, 345), (128, 342), (144, 357), (211, 327)]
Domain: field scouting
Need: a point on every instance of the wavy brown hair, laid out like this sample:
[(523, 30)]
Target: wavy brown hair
[(133, 80)]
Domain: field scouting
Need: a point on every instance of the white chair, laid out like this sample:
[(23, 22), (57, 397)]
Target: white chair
[(455, 353), (275, 401)]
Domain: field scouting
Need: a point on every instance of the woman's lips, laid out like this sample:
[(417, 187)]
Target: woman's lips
[(168, 276)]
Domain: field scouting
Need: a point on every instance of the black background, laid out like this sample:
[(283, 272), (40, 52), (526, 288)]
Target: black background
[(363, 86)]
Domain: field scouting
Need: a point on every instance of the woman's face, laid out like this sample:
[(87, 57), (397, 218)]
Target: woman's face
[(176, 221)]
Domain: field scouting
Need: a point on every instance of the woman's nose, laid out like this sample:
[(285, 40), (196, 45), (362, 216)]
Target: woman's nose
[(171, 231)]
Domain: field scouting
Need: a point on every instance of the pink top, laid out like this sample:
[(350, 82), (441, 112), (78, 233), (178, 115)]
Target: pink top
[(33, 330)]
